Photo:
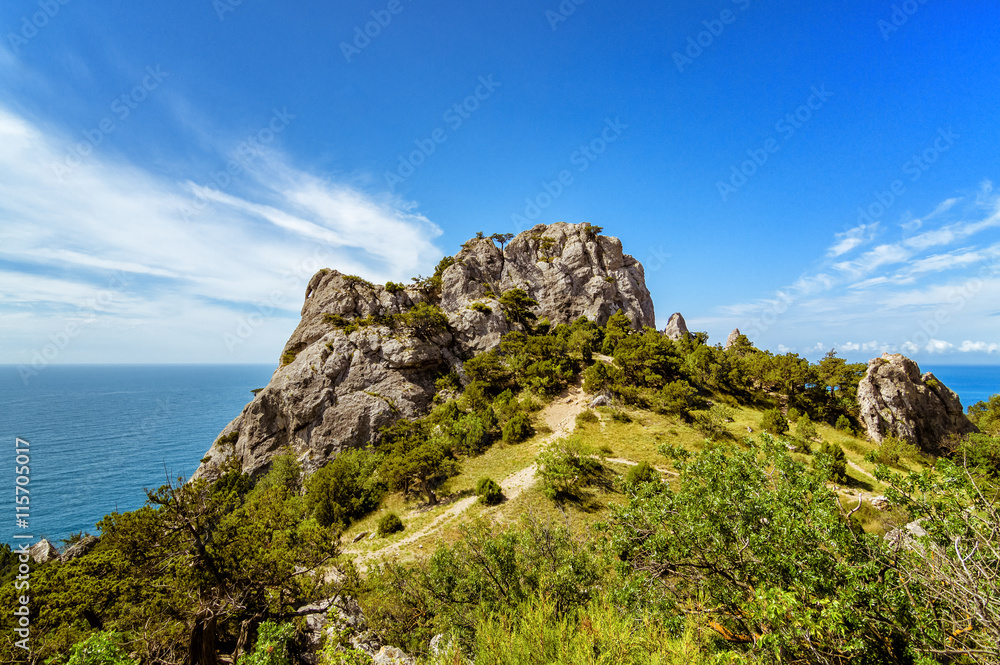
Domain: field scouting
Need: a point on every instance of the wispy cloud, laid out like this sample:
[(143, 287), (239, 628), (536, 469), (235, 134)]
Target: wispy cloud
[(61, 239), (911, 288), (852, 238)]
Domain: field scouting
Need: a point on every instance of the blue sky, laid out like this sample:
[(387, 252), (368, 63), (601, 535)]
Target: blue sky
[(819, 175)]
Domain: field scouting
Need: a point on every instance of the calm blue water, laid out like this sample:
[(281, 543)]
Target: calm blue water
[(100, 434)]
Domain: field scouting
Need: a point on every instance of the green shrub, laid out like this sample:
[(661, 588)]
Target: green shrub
[(843, 424), (389, 524), (103, 648), (449, 381), (288, 358), (517, 429), (642, 473), (774, 422), (620, 416), (805, 429), (794, 415), (986, 415), (424, 320), (481, 307), (566, 467), (394, 287), (891, 451), (678, 398), (272, 647), (832, 458), (489, 491), (599, 377), (586, 417), (981, 453), (346, 488)]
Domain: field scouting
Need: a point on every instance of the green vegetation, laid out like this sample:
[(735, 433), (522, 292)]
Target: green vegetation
[(774, 422), (272, 647), (986, 415), (695, 545), (103, 648), (394, 287), (345, 489), (642, 473), (568, 467), (481, 307), (390, 524), (517, 306), (423, 320), (489, 491)]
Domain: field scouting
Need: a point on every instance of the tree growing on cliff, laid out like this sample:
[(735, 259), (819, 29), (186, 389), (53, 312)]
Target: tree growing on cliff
[(517, 306)]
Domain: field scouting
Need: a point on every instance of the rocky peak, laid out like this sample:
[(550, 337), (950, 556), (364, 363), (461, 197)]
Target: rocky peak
[(733, 338), (896, 400), (358, 361), (676, 327)]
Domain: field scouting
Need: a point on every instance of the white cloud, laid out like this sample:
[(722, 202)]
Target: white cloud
[(62, 240), (979, 347), (852, 238), (904, 290), (938, 346)]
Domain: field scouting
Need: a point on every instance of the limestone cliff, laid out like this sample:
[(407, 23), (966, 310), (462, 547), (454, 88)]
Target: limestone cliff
[(356, 363), (896, 400)]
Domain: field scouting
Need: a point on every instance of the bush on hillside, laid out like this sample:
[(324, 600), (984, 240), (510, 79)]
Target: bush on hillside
[(489, 491), (774, 422), (389, 524)]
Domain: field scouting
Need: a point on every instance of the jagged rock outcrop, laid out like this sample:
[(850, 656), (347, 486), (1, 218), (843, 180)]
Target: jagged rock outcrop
[(43, 551), (82, 546), (732, 339), (676, 327), (896, 400), (356, 362)]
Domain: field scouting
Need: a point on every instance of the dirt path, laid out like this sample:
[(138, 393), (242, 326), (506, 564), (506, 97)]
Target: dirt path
[(860, 470), (559, 415), (628, 462)]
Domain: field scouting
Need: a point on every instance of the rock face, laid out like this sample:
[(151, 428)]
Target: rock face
[(896, 400), (676, 327), (733, 337), (43, 551), (340, 382)]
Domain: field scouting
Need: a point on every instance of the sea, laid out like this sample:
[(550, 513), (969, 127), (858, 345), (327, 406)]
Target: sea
[(98, 436)]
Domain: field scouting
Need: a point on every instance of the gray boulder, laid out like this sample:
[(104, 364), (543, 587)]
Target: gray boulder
[(81, 547), (896, 400), (337, 387), (676, 327)]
